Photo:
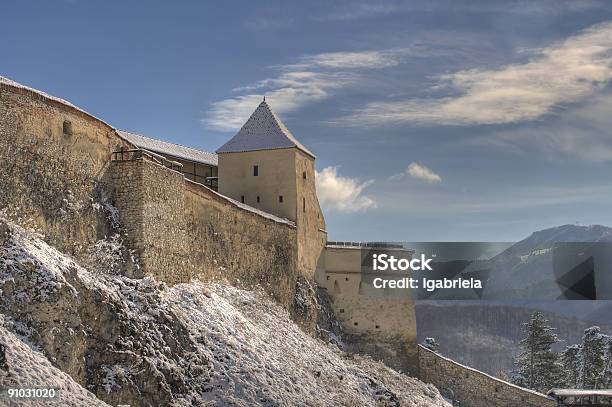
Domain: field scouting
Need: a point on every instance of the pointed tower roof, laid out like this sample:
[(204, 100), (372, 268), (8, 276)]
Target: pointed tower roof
[(263, 131)]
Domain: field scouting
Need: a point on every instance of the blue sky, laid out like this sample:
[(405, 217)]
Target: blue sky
[(440, 120)]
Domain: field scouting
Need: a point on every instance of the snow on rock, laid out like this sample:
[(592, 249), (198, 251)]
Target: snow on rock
[(260, 356), (28, 368), (138, 342)]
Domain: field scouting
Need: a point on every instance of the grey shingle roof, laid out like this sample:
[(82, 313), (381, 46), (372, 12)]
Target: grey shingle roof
[(263, 131), (175, 150)]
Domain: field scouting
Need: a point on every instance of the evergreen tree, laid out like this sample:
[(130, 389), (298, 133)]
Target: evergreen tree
[(537, 367), (570, 359), (431, 344), (593, 355)]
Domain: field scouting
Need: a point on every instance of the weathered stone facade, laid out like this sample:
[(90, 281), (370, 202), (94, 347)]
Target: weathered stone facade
[(150, 198), (54, 168), (472, 387), (379, 322), (227, 241), (56, 175)]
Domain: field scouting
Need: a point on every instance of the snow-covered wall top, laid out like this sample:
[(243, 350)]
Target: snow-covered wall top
[(473, 387)]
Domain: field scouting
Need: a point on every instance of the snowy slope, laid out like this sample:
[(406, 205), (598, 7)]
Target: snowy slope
[(139, 342), (29, 368)]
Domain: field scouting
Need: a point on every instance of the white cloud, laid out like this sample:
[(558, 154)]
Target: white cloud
[(418, 171), (353, 60), (313, 78), (566, 72), (340, 193)]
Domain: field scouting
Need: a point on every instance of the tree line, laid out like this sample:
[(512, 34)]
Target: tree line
[(586, 365)]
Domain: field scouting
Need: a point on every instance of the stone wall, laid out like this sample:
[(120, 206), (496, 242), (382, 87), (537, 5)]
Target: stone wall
[(472, 387), (228, 240), (378, 322), (56, 175), (151, 198), (54, 161)]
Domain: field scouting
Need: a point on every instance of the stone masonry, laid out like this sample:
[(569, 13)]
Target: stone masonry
[(472, 387)]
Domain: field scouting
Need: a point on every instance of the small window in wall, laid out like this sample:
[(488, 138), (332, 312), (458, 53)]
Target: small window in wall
[(257, 198), (242, 199), (346, 278), (304, 175), (377, 326), (304, 204), (342, 310), (256, 170), (67, 127), (355, 323), (280, 198)]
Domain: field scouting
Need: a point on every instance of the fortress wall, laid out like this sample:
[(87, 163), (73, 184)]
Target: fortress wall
[(379, 322), (150, 198), (51, 179), (227, 241), (472, 387)]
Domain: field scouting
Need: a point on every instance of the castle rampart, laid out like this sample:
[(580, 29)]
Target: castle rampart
[(380, 322), (56, 175), (54, 167), (228, 240), (472, 387)]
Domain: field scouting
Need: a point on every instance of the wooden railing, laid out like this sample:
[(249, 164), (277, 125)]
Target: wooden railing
[(137, 153)]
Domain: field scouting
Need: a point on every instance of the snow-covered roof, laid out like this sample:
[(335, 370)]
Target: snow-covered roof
[(175, 150), (263, 131)]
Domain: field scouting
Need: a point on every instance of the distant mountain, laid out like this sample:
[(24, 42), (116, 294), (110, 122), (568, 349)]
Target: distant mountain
[(525, 270)]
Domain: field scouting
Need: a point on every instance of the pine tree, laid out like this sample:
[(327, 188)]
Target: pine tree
[(537, 366), (593, 354), (570, 359), (431, 344)]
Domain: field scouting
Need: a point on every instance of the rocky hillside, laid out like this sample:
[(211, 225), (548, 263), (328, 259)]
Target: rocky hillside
[(91, 331)]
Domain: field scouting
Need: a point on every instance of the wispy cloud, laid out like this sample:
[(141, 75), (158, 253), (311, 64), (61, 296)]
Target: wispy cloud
[(353, 60), (340, 193), (582, 133), (288, 92), (418, 171), (353, 10), (563, 73), (312, 78)]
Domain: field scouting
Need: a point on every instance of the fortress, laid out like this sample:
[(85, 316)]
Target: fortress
[(248, 214)]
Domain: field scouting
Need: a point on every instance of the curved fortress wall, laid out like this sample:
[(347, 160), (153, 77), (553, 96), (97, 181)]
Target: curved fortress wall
[(56, 175), (54, 167), (472, 387)]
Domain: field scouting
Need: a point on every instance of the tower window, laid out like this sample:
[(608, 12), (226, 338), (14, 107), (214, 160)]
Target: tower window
[(257, 198), (280, 198), (256, 170), (67, 127), (304, 175), (304, 204), (242, 199)]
